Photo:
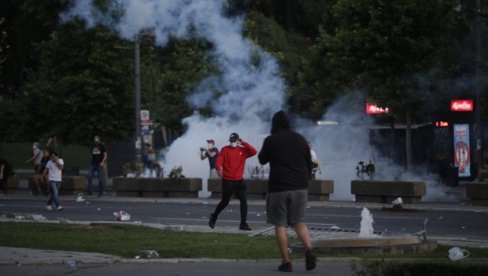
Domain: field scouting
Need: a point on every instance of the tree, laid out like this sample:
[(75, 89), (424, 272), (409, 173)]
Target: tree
[(389, 48), (82, 88), (168, 74)]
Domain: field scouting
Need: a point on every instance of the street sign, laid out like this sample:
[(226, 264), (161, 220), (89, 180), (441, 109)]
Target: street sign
[(147, 123), (145, 115)]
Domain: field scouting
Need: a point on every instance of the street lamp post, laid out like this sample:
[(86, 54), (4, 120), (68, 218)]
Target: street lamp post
[(138, 140)]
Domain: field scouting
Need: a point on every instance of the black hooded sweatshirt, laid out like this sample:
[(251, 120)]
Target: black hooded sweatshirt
[(288, 155)]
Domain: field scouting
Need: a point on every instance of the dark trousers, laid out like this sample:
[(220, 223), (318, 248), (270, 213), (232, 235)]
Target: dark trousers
[(229, 187)]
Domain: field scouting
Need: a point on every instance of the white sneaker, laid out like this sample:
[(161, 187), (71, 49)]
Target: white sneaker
[(60, 208), (49, 208)]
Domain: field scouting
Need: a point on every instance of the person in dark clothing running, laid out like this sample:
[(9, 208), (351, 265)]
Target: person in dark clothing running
[(230, 165), (288, 155)]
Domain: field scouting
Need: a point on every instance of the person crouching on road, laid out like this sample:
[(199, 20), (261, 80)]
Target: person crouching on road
[(230, 166), (54, 169)]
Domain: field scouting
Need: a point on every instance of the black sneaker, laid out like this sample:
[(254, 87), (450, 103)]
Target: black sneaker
[(212, 220), (244, 226), (310, 260), (285, 267)]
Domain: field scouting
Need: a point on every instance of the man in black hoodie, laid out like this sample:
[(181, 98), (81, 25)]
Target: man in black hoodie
[(290, 170)]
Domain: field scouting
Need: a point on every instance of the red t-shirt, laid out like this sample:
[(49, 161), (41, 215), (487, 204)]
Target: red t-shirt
[(232, 160)]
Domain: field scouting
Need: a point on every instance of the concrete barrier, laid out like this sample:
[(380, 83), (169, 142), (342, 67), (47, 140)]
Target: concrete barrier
[(71, 185), (387, 191), (157, 187), (477, 192), (257, 188), (33, 187), (12, 185)]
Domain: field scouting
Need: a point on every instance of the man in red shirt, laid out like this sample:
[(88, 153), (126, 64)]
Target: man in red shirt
[(230, 166)]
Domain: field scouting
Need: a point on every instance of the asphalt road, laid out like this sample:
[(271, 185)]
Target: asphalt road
[(462, 224)]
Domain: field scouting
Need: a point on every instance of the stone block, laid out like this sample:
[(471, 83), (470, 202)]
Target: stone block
[(320, 190), (477, 192), (258, 188), (157, 187), (73, 185), (12, 185), (33, 187), (387, 191)]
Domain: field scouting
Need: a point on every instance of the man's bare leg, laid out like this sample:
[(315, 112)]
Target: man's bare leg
[(282, 239), (303, 234)]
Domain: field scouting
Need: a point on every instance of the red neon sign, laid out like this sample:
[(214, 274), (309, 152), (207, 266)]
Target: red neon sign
[(462, 105), (374, 109), (441, 124)]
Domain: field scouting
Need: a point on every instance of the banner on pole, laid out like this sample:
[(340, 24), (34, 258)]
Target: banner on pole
[(462, 154)]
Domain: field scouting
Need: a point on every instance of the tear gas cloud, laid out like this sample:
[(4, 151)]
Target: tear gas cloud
[(244, 96)]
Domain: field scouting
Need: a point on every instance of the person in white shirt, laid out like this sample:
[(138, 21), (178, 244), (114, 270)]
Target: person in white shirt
[(54, 170), (315, 161), (36, 157)]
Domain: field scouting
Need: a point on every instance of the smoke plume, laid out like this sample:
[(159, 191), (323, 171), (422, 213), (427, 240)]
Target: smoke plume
[(249, 89)]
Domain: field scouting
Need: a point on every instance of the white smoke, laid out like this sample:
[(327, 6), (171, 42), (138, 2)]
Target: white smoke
[(249, 90), (340, 147), (250, 87)]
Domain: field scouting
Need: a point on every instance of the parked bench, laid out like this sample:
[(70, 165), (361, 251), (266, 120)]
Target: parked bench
[(387, 191), (477, 192), (257, 188), (157, 187)]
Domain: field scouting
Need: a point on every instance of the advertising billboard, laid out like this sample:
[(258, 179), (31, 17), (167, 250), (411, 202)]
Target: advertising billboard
[(462, 105), (462, 154), (373, 109)]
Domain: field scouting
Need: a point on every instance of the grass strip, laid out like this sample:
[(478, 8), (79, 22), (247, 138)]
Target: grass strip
[(127, 240)]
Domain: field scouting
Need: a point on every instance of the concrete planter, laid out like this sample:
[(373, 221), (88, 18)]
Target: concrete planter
[(257, 188), (477, 192), (12, 185), (157, 187), (33, 187), (71, 185), (387, 191)]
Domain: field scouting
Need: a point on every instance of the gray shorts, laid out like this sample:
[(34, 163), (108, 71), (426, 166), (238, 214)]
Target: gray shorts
[(286, 208)]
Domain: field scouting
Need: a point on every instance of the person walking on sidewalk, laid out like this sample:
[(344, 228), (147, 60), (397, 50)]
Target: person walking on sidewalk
[(288, 154), (54, 170), (230, 166), (98, 159)]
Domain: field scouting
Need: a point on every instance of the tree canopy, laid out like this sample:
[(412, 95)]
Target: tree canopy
[(63, 78)]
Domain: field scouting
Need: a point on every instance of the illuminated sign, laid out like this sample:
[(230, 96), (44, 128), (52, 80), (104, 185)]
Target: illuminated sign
[(462, 155), (462, 105), (374, 109), (441, 124)]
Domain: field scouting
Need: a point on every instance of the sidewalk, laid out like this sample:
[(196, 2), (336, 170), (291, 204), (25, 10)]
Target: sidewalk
[(20, 261)]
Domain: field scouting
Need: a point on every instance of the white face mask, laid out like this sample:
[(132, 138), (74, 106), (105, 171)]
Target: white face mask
[(209, 146), (233, 144)]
